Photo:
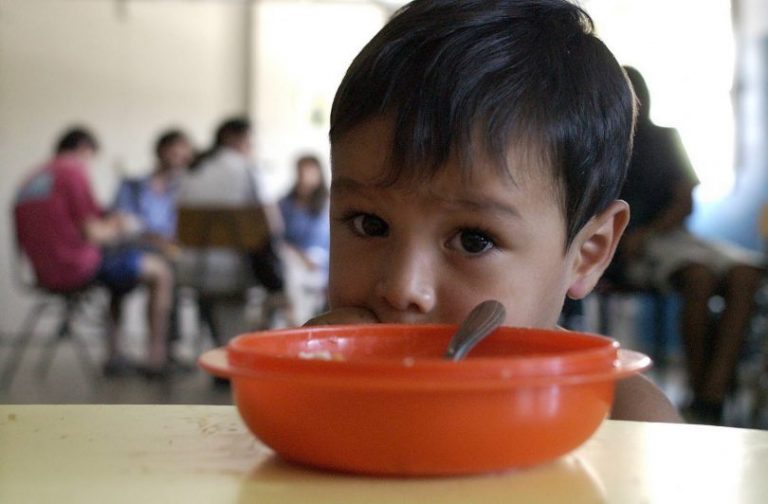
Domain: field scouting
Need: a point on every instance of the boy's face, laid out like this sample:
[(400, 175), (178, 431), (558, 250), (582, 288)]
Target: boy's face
[(430, 252)]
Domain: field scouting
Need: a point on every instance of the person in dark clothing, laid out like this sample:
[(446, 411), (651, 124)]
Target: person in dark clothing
[(658, 252)]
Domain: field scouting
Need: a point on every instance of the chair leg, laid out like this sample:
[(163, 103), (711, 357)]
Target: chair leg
[(206, 315), (62, 333), (760, 385), (80, 344), (21, 344), (759, 399), (81, 350), (659, 329)]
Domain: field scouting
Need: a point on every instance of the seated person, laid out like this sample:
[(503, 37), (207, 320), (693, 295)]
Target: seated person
[(225, 176), (71, 243), (306, 239), (152, 199), (660, 253), (501, 182)]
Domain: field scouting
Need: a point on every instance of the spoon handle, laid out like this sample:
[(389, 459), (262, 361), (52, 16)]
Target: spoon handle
[(481, 321)]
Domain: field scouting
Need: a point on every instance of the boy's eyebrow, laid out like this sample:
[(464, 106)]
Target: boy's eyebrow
[(480, 203), (483, 204), (347, 184)]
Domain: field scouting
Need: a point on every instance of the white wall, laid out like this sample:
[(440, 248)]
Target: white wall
[(303, 51), (130, 68), (126, 69)]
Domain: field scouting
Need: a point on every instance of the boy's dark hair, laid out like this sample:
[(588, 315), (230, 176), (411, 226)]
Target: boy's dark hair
[(452, 73), (641, 92), (74, 138), (168, 138)]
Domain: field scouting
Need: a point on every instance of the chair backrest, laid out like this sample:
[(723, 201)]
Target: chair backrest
[(215, 242), (240, 228)]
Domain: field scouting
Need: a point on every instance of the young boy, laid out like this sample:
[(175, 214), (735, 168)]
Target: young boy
[(478, 148)]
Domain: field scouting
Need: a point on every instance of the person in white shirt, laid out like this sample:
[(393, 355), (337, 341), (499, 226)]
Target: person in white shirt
[(225, 175)]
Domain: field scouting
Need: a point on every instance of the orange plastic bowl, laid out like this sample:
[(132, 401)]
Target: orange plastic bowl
[(379, 399)]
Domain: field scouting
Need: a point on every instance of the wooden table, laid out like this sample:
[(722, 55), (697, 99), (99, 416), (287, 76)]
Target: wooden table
[(189, 454)]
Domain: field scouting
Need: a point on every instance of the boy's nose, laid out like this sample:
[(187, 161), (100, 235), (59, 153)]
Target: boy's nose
[(406, 284)]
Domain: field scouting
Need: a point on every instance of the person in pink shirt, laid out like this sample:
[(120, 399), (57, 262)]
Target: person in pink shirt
[(72, 242)]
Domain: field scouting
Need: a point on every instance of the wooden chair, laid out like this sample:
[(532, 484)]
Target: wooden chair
[(240, 228), (200, 228)]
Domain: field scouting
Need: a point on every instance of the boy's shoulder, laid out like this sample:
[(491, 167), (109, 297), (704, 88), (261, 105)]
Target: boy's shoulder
[(637, 398)]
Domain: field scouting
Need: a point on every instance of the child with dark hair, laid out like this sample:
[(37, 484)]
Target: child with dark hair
[(478, 148), (72, 242), (305, 239), (152, 198), (305, 213), (76, 137)]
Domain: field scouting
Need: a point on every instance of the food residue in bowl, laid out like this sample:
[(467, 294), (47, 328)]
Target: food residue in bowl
[(325, 355)]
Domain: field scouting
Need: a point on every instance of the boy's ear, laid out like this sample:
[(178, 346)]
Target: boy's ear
[(593, 248)]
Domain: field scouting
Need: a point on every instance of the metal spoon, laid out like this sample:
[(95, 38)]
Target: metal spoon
[(481, 321)]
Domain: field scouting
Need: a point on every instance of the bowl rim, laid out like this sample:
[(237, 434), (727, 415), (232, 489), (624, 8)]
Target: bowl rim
[(627, 363), (576, 366)]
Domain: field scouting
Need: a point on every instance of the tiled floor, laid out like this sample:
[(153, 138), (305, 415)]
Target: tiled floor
[(68, 381)]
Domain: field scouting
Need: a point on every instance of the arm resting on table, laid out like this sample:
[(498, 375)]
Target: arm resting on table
[(637, 398)]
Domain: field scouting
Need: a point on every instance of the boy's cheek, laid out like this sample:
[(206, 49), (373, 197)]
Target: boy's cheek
[(351, 280)]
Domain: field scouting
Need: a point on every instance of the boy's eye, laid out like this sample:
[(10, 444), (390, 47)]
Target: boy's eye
[(472, 242), (369, 225)]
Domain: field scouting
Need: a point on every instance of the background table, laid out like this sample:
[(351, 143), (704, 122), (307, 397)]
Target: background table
[(188, 454)]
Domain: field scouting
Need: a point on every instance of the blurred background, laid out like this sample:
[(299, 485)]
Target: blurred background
[(131, 68)]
